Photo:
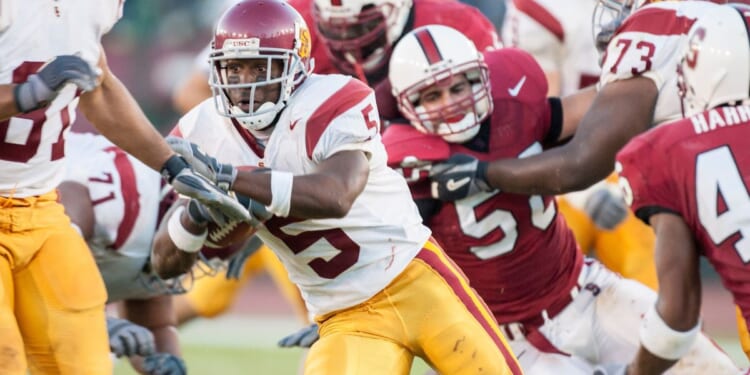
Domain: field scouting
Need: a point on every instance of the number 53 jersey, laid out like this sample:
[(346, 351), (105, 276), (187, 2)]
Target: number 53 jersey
[(32, 33), (699, 169)]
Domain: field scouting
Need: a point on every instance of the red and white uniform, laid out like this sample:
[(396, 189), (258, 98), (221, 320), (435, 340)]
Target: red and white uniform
[(520, 255), (464, 18), (336, 263), (703, 176), (32, 144), (649, 44), (558, 35), (125, 197)]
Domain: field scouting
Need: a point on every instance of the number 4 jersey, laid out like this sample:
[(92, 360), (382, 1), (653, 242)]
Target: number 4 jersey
[(699, 168)]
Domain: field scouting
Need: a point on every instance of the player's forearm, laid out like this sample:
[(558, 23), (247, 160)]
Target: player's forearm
[(556, 171), (645, 363), (8, 105), (167, 259), (115, 113)]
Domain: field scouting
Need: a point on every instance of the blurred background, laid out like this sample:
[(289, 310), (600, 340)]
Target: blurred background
[(151, 49)]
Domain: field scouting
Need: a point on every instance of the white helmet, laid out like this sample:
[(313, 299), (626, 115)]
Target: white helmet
[(432, 54), (259, 29), (360, 32), (715, 67)]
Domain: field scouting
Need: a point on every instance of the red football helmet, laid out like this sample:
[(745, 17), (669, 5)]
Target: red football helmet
[(360, 33), (259, 29)]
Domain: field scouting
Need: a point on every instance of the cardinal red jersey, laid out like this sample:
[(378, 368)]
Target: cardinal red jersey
[(464, 18), (518, 253), (703, 175)]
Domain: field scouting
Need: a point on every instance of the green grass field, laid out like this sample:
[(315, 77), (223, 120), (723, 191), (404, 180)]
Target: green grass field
[(235, 345)]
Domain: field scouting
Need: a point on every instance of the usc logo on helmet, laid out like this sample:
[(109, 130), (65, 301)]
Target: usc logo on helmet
[(304, 42)]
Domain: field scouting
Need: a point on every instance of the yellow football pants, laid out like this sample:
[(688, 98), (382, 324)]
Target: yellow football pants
[(743, 333), (51, 293), (429, 311), (212, 295), (628, 249)]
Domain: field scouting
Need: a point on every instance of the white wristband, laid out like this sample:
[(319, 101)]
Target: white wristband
[(663, 341), (184, 240), (281, 193)]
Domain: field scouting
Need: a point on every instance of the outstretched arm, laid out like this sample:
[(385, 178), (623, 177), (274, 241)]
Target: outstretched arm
[(620, 111), (678, 306)]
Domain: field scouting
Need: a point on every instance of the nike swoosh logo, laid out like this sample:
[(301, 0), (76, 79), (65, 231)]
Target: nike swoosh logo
[(454, 185), (515, 90), (293, 124)]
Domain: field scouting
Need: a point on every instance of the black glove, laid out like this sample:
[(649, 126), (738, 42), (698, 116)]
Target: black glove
[(186, 182), (164, 364), (237, 262), (303, 338), (606, 209), (42, 87), (129, 339), (459, 177), (223, 175)]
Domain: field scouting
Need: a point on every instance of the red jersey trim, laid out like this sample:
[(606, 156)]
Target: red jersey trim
[(130, 196), (657, 21), (248, 138), (541, 15), (341, 101)]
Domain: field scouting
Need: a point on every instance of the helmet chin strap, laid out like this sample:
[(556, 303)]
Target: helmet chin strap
[(260, 126)]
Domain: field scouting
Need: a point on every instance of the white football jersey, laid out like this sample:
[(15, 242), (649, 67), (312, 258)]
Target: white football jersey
[(125, 194), (649, 43), (558, 35), (33, 32), (336, 263)]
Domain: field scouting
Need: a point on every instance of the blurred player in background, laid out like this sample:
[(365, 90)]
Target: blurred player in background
[(559, 36), (116, 203), (518, 253), (697, 201), (52, 60), (343, 223)]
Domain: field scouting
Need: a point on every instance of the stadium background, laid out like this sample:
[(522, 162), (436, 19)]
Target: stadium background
[(150, 50)]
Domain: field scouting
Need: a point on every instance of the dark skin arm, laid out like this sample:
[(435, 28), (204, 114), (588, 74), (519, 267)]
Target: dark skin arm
[(157, 315), (620, 111), (167, 260), (677, 265), (329, 192), (116, 115), (77, 202), (7, 101), (575, 107)]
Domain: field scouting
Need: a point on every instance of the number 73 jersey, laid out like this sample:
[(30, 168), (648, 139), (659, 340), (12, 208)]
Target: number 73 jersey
[(699, 168)]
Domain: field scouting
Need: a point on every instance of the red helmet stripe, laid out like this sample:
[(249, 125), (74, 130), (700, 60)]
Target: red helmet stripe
[(336, 3), (425, 40)]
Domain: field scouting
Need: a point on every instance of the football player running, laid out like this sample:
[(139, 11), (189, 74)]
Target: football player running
[(343, 223), (517, 252), (53, 61), (697, 201)]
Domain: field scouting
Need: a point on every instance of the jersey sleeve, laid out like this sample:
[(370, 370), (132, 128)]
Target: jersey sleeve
[(648, 190), (110, 11), (541, 40), (349, 120), (646, 45), (411, 154), (462, 17)]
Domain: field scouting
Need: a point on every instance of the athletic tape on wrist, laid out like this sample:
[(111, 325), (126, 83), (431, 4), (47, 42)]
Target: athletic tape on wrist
[(663, 341), (281, 193), (184, 240)]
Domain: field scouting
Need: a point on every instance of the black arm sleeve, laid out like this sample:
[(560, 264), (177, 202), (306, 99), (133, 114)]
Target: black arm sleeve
[(556, 123), (427, 207)]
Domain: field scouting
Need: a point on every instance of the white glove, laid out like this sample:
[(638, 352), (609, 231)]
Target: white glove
[(164, 364)]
